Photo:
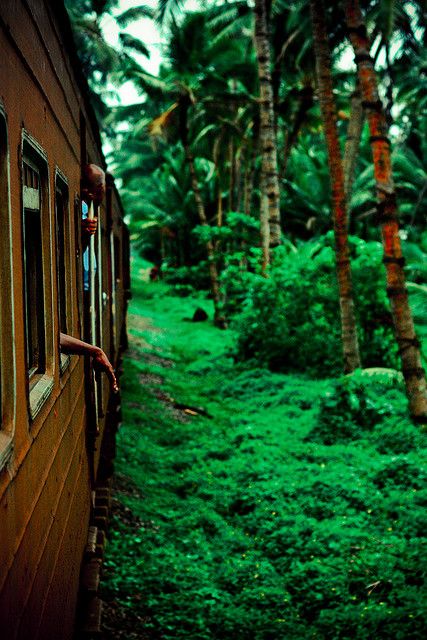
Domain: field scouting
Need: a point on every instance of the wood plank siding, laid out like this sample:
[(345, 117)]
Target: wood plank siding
[(50, 462)]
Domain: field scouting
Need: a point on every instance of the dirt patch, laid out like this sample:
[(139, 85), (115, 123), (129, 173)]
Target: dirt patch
[(170, 406), (136, 342), (123, 623), (158, 361), (125, 515), (150, 379), (135, 405), (126, 486), (141, 323)]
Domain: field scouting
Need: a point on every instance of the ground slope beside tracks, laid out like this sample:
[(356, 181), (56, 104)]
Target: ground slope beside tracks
[(250, 505)]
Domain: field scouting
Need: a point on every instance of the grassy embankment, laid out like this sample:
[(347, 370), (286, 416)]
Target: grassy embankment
[(268, 518)]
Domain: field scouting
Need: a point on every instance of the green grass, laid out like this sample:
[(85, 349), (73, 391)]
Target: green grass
[(297, 510)]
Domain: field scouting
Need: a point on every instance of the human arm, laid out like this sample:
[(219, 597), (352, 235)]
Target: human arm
[(89, 227), (70, 345)]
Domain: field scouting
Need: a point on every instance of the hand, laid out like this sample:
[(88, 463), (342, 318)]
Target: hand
[(102, 363), (89, 227)]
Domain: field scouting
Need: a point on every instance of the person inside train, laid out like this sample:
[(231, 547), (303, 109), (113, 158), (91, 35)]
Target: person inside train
[(74, 346), (93, 190)]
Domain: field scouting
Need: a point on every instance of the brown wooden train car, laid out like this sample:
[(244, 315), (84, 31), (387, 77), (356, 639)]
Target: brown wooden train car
[(57, 423)]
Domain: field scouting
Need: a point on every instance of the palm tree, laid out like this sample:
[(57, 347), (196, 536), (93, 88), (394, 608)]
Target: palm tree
[(184, 105), (270, 204), (409, 347), (101, 62), (196, 82), (352, 142), (327, 105)]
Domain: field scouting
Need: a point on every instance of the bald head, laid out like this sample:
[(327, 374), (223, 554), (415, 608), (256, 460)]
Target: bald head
[(93, 183)]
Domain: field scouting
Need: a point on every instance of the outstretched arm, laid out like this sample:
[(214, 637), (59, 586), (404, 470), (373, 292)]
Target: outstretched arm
[(100, 361)]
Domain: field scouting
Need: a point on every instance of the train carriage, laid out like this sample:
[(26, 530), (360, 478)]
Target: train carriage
[(57, 419)]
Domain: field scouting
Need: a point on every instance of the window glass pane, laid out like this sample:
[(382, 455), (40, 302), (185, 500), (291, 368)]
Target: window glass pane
[(34, 304)]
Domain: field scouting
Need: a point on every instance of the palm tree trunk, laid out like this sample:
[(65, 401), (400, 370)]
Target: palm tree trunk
[(269, 180), (306, 101), (219, 210), (329, 116), (219, 319), (409, 347), (251, 167), (231, 174), (352, 143)]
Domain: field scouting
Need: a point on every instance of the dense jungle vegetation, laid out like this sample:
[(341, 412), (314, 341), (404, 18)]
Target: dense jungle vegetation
[(273, 172)]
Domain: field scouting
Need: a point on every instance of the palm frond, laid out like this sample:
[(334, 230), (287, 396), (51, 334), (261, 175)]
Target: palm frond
[(130, 42), (165, 7), (134, 13), (157, 126)]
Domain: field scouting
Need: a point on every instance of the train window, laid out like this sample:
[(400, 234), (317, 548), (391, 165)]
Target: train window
[(63, 262), (7, 342), (37, 258), (33, 264)]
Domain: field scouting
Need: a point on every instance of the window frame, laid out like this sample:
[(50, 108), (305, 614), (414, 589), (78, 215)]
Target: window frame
[(7, 326), (39, 385), (62, 187)]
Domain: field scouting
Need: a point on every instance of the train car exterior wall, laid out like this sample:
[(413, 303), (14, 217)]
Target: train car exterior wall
[(51, 441)]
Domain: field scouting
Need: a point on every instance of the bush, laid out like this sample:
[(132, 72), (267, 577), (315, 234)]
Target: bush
[(196, 276), (356, 404), (290, 321)]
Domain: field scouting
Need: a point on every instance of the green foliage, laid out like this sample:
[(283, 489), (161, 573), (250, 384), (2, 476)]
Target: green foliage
[(356, 404), (205, 233), (246, 525), (290, 320), (196, 277)]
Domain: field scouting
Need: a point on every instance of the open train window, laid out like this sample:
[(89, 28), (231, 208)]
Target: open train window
[(37, 263), (63, 262), (7, 341), (33, 265)]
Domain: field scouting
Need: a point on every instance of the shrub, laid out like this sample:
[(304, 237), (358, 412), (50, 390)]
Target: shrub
[(358, 404), (194, 276), (290, 321)]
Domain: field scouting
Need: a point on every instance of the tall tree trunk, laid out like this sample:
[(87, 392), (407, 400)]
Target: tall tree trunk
[(352, 143), (264, 229), (269, 179), (219, 211), (329, 116), (251, 167), (238, 161), (231, 175), (219, 319), (306, 101), (409, 347)]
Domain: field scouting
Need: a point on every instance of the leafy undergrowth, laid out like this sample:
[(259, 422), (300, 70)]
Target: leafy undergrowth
[(260, 506)]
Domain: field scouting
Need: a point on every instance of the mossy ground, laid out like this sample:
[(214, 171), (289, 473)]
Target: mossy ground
[(233, 518)]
